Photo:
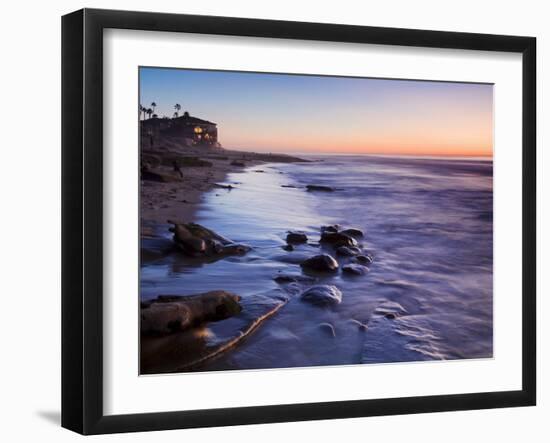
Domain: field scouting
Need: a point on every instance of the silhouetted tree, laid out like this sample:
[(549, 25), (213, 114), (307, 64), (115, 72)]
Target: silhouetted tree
[(149, 112), (153, 105), (177, 107)]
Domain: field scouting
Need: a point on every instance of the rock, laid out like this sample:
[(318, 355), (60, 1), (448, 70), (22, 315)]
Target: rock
[(196, 240), (390, 310), (287, 186), (292, 278), (361, 326), (222, 186), (330, 228), (288, 248), (337, 239), (296, 237), (259, 170), (347, 251), (322, 295), (363, 259), (238, 163), (321, 262), (319, 188), (233, 249), (355, 269), (353, 232), (172, 313), (328, 328)]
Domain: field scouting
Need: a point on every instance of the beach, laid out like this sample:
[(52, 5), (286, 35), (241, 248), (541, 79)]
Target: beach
[(425, 227), (204, 168)]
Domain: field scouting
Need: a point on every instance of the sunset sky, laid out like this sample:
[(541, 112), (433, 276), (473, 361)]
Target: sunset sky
[(297, 113)]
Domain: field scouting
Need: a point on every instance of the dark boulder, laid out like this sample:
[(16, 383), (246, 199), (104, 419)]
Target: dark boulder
[(296, 237), (355, 269), (347, 251), (321, 263), (320, 188), (338, 239), (330, 228), (353, 232), (197, 241), (173, 313), (322, 295), (363, 259), (292, 278)]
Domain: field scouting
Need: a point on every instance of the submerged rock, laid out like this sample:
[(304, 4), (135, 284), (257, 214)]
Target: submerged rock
[(360, 326), (363, 259), (292, 278), (355, 269), (172, 313), (321, 188), (330, 228), (322, 295), (195, 240), (238, 163), (296, 237), (337, 239), (347, 251), (390, 310), (321, 262), (288, 248), (327, 327), (353, 232)]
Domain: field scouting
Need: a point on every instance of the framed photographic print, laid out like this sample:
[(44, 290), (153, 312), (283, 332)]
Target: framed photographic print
[(270, 221)]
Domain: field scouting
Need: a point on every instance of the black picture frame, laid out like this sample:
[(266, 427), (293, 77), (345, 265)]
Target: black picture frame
[(82, 218)]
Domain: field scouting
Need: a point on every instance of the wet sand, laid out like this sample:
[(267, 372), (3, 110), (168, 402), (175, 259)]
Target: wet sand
[(177, 199)]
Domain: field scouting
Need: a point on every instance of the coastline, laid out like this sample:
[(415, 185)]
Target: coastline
[(174, 196)]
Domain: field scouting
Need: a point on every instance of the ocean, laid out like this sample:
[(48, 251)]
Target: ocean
[(428, 223)]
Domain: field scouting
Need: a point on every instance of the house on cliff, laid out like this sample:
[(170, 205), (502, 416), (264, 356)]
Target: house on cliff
[(192, 130)]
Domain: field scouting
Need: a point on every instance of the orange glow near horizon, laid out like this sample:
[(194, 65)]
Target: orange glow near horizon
[(314, 114)]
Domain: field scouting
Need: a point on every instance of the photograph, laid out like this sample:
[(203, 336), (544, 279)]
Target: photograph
[(293, 220)]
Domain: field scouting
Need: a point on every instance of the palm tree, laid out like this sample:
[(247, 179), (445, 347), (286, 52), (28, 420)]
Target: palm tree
[(177, 107), (149, 112), (153, 105), (141, 109)]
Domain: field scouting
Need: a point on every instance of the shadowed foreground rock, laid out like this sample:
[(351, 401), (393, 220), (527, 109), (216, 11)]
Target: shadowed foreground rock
[(173, 313), (195, 240), (187, 350), (338, 239), (296, 237), (355, 269), (354, 232), (322, 295), (321, 263)]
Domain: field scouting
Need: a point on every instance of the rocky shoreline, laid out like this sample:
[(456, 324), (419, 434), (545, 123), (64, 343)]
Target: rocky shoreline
[(176, 329)]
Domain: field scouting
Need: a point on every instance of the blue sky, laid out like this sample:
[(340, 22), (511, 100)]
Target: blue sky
[(303, 113)]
